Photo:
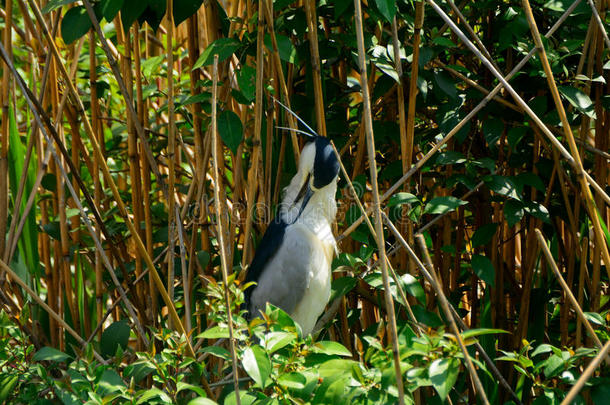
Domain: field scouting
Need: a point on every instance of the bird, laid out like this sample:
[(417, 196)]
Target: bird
[(291, 268)]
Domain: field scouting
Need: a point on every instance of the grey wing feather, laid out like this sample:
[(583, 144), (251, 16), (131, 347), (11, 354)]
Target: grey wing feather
[(286, 277)]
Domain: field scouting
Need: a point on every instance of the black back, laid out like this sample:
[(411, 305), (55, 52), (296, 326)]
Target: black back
[(326, 164), (267, 248)]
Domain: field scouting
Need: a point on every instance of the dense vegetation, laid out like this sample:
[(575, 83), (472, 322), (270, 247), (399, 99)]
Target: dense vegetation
[(134, 140)]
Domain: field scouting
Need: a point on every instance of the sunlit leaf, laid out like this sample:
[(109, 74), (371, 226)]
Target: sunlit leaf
[(257, 364)]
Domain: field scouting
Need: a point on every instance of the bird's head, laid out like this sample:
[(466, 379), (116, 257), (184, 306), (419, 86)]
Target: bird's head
[(318, 168)]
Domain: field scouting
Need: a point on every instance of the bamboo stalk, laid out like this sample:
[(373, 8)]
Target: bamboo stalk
[(368, 127), (551, 262), (582, 380), (121, 205), (256, 148), (171, 150), (312, 34), (39, 115), (4, 136), (221, 212)]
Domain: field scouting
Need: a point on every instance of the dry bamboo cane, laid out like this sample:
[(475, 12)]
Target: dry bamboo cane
[(283, 87), (37, 110), (220, 212), (312, 33), (256, 148), (584, 183), (171, 149), (43, 304), (121, 205), (4, 135), (128, 100), (368, 127)]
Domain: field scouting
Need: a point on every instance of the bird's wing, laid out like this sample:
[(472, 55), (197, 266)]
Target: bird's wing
[(268, 246), (287, 275)]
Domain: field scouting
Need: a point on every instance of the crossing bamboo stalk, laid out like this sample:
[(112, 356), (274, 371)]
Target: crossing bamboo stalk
[(4, 135), (553, 265), (370, 137), (221, 212)]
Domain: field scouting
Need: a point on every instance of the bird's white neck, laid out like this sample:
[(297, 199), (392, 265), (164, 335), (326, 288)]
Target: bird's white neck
[(320, 211)]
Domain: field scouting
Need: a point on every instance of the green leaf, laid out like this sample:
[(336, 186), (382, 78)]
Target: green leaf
[(153, 393), (110, 8), (445, 84), (201, 401), (115, 335), (183, 9), (413, 287), (553, 366), (75, 24), (514, 136), (55, 4), (513, 212), (443, 374), (292, 380), (595, 318), (7, 383), (285, 47), (484, 269), (109, 383), (483, 235), (387, 8), (331, 348), (274, 341), (537, 210), (204, 258), (342, 286), (223, 47), (50, 353), (336, 367), (402, 198), (131, 11), (450, 158), (215, 332), (246, 78), (578, 99), (442, 205), (217, 351), (230, 129), (182, 386), (257, 365), (503, 186), (492, 131), (470, 333)]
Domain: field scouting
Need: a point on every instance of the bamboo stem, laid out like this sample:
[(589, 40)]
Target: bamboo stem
[(582, 380), (368, 127), (551, 262), (221, 212)]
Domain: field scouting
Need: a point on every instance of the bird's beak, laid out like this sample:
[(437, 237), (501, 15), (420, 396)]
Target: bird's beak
[(306, 192)]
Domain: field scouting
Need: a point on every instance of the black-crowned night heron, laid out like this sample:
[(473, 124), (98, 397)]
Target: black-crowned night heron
[(292, 264)]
